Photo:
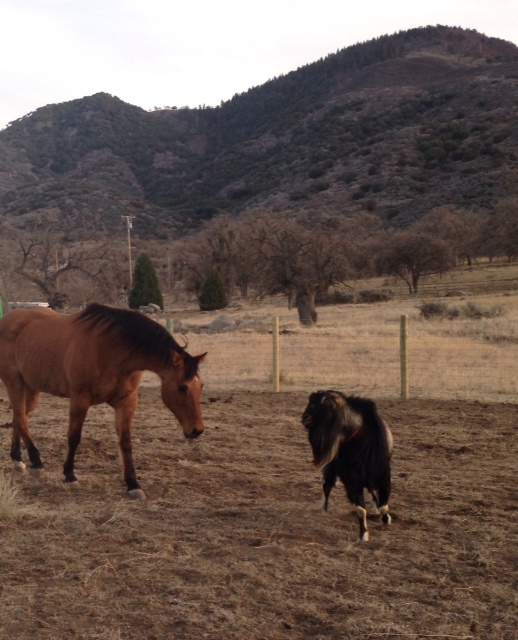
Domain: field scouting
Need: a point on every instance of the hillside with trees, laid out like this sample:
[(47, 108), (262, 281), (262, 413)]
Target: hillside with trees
[(396, 126)]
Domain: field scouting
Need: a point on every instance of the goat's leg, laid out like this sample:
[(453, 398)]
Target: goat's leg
[(384, 494), (375, 503), (355, 495), (330, 476), (361, 512)]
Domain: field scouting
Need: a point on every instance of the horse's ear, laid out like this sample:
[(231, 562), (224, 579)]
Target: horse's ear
[(200, 358), (178, 360)]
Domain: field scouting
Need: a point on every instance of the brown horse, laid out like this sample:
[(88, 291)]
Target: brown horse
[(91, 357)]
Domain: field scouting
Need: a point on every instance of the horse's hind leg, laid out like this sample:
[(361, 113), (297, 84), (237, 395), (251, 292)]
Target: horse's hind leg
[(23, 399)]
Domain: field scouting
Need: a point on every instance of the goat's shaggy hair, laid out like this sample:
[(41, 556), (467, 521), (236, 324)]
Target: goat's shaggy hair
[(352, 442)]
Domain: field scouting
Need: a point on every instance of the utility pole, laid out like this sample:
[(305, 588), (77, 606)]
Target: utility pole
[(57, 269), (129, 226)]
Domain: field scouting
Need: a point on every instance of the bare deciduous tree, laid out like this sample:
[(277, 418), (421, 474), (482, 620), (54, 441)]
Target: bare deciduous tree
[(44, 261), (410, 255), (223, 244), (460, 228), (297, 261), (500, 231)]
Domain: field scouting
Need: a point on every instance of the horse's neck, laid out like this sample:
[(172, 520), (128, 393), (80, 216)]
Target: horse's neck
[(143, 363)]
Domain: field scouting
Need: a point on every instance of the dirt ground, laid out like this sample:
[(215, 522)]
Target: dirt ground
[(231, 542)]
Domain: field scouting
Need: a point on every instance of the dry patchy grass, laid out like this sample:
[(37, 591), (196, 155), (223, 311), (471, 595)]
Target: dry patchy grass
[(356, 347), (231, 544)]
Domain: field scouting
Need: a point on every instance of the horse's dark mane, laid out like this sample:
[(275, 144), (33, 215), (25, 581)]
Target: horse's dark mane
[(138, 332)]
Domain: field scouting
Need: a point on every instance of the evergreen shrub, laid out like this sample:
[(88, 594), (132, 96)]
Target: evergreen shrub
[(213, 294)]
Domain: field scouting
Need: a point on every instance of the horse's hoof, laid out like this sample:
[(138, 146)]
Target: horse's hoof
[(136, 494), (20, 467), (73, 486), (37, 472)]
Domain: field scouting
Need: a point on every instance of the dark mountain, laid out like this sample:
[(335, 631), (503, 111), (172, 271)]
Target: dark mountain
[(396, 125)]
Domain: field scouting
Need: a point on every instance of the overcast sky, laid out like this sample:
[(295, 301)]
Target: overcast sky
[(193, 52)]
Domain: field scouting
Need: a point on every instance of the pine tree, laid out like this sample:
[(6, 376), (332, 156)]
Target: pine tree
[(145, 284), (213, 294)]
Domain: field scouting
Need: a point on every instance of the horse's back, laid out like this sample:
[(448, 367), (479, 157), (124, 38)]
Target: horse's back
[(17, 325), (24, 323), (33, 344)]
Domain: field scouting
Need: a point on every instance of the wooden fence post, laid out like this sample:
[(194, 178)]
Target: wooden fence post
[(404, 357), (276, 378)]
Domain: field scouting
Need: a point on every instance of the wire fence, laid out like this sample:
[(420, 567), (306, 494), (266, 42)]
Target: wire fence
[(358, 350), (372, 350)]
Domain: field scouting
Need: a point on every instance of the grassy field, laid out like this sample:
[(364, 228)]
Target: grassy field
[(481, 278)]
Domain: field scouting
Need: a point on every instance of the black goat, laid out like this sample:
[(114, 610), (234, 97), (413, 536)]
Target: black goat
[(352, 442)]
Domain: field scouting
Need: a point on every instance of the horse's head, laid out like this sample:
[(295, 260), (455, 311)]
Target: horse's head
[(181, 392), (324, 419)]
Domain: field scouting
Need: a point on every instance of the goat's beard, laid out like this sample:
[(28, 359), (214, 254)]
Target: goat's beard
[(325, 442)]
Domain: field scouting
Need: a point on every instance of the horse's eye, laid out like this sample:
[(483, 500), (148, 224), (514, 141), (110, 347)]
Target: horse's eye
[(182, 388)]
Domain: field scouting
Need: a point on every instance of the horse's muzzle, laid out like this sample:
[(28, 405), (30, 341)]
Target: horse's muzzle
[(194, 434)]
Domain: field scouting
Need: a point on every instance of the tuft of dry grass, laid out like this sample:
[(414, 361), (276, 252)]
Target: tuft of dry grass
[(10, 499)]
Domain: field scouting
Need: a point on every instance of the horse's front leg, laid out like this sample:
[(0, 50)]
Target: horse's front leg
[(124, 413), (79, 406)]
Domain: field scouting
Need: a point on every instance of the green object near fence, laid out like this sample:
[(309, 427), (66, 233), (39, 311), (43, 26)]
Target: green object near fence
[(1, 307)]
